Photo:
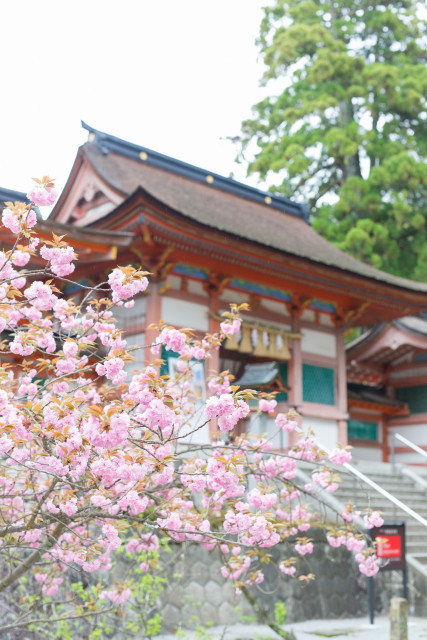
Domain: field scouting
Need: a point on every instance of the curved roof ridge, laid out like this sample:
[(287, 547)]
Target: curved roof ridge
[(107, 143)]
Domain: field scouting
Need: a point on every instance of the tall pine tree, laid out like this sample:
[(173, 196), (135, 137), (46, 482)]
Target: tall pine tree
[(347, 128)]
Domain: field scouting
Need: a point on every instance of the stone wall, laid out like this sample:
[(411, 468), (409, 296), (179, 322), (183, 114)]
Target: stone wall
[(389, 584), (196, 591)]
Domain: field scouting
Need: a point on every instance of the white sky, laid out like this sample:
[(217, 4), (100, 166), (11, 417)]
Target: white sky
[(172, 75)]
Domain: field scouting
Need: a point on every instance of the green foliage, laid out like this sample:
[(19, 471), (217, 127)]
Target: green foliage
[(280, 613), (348, 132), (139, 618)]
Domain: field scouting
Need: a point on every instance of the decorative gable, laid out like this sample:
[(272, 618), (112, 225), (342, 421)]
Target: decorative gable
[(88, 198)]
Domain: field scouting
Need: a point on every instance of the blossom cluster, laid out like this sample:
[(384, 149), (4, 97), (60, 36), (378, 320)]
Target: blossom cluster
[(90, 451), (126, 283)]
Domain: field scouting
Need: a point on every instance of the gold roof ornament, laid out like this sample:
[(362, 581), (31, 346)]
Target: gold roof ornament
[(232, 343), (284, 353), (273, 351), (245, 345), (260, 348)]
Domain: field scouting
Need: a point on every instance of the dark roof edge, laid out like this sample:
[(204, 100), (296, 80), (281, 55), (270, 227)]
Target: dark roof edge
[(98, 236), (401, 324), (366, 337), (9, 195), (107, 143)]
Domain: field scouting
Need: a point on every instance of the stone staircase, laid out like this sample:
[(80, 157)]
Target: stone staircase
[(403, 483)]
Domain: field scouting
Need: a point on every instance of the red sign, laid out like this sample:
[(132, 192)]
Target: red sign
[(389, 546)]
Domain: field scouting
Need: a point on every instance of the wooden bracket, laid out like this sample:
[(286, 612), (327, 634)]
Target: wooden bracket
[(216, 284)]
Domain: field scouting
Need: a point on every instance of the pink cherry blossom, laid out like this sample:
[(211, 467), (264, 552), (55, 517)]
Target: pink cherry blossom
[(267, 405), (282, 422), (41, 296), (229, 328), (286, 568), (373, 520), (42, 196), (304, 548), (20, 258), (339, 456), (125, 286), (111, 461), (60, 259)]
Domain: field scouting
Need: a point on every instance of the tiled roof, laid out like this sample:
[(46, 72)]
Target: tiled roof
[(97, 236), (9, 195), (260, 374), (221, 204), (413, 323), (375, 396), (111, 144)]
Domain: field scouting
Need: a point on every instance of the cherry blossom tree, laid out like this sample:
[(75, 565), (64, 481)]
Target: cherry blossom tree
[(96, 465)]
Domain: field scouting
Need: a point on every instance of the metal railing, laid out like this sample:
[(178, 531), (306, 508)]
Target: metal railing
[(385, 493), (409, 444), (411, 558), (398, 503)]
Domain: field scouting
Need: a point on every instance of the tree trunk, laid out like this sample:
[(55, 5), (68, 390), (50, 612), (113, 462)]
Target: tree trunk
[(352, 165), (264, 617)]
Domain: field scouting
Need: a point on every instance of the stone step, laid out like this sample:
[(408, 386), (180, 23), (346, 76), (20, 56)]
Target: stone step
[(421, 557), (402, 481), (385, 506), (415, 549), (402, 488), (359, 498), (398, 491), (351, 489), (407, 498), (394, 490), (379, 479), (416, 530)]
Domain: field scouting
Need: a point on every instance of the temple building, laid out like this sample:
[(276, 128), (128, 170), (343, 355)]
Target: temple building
[(209, 241), (387, 391)]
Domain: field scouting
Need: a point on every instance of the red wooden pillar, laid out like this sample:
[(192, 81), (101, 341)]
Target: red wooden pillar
[(212, 365), (341, 384), (153, 316), (295, 369), (386, 439)]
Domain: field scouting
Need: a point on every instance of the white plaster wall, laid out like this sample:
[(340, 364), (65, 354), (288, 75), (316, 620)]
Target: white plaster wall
[(411, 458), (135, 315), (275, 306), (137, 340), (200, 436), (193, 286), (325, 431), (174, 282), (196, 288), (326, 319), (308, 315), (182, 313), (416, 433), (246, 317), (230, 295), (319, 343), (264, 425), (96, 213), (366, 453), (409, 373)]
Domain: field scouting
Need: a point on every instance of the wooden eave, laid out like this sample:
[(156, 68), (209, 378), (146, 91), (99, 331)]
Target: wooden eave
[(81, 163), (359, 299), (91, 246), (377, 407), (64, 195), (387, 344)]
